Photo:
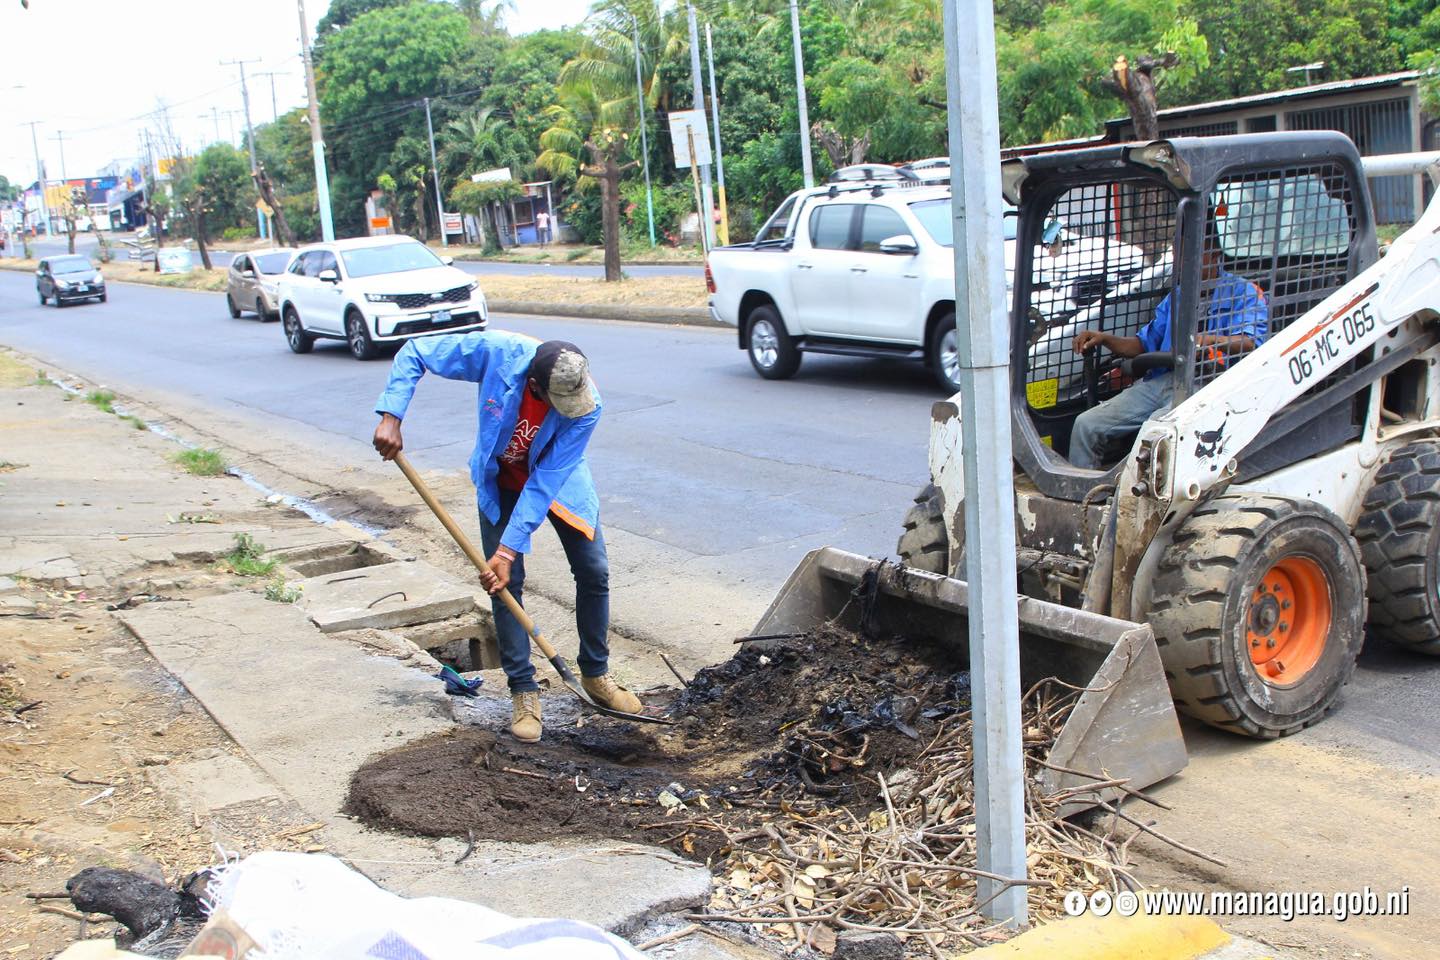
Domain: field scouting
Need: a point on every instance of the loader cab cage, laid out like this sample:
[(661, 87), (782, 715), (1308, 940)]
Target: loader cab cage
[(1242, 234)]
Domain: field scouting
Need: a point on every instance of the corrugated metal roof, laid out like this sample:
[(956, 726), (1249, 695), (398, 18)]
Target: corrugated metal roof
[(1280, 96)]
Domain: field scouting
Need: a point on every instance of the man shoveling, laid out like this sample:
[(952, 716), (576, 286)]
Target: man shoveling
[(538, 408)]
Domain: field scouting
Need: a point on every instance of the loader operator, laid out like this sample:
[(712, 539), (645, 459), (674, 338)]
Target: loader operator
[(1236, 321), (538, 409)]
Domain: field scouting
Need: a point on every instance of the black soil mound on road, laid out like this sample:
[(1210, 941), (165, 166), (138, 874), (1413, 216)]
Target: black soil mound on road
[(813, 717)]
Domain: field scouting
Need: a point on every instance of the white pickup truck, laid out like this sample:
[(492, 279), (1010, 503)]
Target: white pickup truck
[(867, 270)]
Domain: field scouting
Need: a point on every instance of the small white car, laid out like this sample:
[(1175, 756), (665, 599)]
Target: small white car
[(375, 290)]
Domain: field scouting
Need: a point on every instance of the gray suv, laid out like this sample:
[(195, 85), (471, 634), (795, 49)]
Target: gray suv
[(250, 282), (69, 279)]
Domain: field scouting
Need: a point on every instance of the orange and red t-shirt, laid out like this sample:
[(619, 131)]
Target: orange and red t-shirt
[(515, 461)]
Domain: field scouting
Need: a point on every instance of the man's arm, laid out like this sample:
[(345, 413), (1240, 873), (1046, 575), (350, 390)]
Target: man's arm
[(455, 357), (1123, 346)]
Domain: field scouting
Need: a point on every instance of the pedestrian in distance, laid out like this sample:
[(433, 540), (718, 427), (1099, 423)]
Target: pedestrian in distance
[(538, 410), (542, 228)]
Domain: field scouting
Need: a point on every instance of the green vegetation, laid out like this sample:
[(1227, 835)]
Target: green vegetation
[(101, 400), (278, 591), (246, 558), (202, 462), (561, 105), (134, 421)]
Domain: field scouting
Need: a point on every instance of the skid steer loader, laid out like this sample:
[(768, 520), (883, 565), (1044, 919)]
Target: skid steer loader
[(1223, 554)]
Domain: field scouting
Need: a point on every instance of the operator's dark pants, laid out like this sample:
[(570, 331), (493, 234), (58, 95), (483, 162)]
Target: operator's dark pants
[(591, 569)]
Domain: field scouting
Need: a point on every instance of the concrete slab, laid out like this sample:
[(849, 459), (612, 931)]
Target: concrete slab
[(38, 561), (384, 596), (217, 782)]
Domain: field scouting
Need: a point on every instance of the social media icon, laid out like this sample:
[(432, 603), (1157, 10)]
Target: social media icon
[(1127, 904), (1101, 902), (1075, 903)]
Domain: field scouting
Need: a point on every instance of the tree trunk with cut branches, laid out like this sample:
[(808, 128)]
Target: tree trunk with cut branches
[(1135, 84), (277, 215), (605, 169)]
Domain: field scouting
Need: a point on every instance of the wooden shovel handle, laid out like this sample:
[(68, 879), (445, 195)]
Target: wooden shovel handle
[(476, 557)]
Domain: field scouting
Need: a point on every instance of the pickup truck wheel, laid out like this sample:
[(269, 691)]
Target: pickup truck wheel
[(295, 335), (945, 353), (772, 351)]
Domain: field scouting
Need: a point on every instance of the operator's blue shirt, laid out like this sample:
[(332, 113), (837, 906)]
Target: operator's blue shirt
[(500, 363), (1236, 307)]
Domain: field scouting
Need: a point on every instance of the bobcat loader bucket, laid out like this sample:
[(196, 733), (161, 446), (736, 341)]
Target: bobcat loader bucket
[(1122, 727)]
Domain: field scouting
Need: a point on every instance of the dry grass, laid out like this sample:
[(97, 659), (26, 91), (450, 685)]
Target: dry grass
[(13, 373), (637, 291)]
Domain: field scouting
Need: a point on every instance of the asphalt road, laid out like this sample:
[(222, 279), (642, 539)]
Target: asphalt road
[(695, 452), (86, 244)]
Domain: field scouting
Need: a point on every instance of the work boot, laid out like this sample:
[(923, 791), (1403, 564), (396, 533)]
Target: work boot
[(608, 693), (525, 716)]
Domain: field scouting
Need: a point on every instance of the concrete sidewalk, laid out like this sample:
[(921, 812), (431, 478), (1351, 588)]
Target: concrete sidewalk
[(92, 507)]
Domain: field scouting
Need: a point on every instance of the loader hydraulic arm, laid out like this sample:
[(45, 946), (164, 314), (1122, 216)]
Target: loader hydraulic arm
[(1195, 446)]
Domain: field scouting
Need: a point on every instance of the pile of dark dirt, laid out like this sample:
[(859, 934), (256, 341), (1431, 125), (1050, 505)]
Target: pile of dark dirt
[(811, 717)]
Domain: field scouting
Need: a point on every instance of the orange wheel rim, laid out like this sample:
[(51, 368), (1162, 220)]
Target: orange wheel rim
[(1289, 620)]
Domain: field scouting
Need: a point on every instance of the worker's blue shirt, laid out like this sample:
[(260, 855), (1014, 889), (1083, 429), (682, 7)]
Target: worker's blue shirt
[(1236, 307), (500, 363)]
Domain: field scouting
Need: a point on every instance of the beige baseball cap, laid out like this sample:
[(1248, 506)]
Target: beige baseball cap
[(563, 373)]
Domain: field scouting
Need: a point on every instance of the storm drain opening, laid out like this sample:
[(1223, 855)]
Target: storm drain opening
[(338, 559)]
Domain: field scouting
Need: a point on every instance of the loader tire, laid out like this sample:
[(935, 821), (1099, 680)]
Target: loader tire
[(923, 543), (1399, 534), (1258, 608)]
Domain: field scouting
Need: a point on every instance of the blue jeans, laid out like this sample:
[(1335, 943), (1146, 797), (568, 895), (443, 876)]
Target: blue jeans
[(1117, 418), (591, 570)]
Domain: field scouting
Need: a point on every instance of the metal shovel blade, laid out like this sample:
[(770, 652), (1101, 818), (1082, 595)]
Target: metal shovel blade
[(1122, 727)]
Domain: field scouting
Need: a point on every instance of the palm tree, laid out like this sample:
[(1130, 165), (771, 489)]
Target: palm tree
[(480, 140), (588, 135), (607, 58)]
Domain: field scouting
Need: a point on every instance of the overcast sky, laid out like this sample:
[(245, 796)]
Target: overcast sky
[(90, 69)]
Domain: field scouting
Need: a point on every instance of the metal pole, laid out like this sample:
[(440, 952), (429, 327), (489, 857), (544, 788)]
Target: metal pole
[(317, 139), (805, 161), (40, 176), (695, 175), (644, 138), (707, 227), (983, 341), (719, 157), (60, 137), (274, 103), (435, 171), (215, 115), (249, 132)]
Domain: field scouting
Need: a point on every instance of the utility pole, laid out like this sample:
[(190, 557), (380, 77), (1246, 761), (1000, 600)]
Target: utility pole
[(983, 345), (707, 223), (805, 162), (317, 139), (435, 171), (60, 136), (215, 115), (40, 176), (249, 133), (644, 137), (274, 103), (719, 157)]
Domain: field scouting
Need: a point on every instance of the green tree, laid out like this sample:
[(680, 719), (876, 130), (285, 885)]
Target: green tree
[(9, 192), (387, 55), (482, 201), (223, 173), (481, 140)]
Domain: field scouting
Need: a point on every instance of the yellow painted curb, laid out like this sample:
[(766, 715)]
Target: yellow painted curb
[(1112, 938)]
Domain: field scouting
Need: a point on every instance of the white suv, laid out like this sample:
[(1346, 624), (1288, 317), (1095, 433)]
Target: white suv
[(375, 290)]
